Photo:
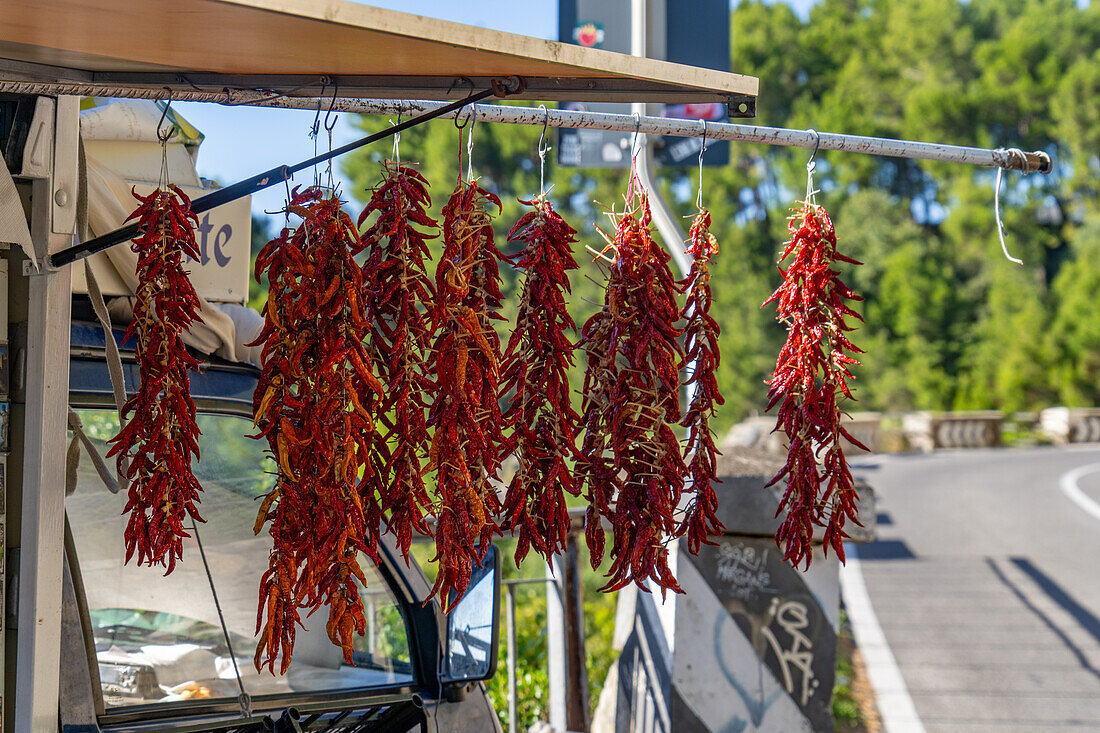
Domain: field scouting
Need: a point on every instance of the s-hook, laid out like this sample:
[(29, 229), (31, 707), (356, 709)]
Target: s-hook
[(331, 105), (164, 137), (330, 126), (634, 147), (811, 165), (397, 139)]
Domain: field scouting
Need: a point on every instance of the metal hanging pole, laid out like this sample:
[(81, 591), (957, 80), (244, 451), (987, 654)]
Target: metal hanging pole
[(1036, 162), (262, 180)]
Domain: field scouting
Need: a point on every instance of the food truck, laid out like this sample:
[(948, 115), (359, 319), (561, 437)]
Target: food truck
[(90, 642)]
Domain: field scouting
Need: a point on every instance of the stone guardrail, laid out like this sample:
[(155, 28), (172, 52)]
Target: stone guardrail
[(1071, 424), (928, 431)]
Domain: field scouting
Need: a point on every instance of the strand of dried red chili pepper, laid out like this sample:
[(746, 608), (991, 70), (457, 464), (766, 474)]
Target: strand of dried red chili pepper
[(161, 435), (811, 374), (701, 351), (535, 369), (594, 469), (316, 404), (465, 448), (640, 410), (401, 289)]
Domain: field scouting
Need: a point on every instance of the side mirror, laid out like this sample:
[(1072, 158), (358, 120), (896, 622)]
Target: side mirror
[(473, 626)]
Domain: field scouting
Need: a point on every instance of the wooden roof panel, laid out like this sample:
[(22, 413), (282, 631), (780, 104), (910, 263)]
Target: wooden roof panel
[(116, 41)]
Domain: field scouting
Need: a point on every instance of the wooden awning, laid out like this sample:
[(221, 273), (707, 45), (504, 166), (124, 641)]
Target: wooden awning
[(288, 45)]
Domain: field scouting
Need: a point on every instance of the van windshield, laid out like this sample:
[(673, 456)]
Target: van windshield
[(158, 639)]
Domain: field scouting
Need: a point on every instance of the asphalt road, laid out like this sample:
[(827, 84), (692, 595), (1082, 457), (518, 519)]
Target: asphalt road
[(985, 578)]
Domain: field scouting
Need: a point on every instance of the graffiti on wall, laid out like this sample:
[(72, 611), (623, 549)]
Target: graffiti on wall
[(781, 619)]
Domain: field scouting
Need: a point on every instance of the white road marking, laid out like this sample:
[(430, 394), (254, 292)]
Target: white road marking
[(895, 706), (1068, 484)]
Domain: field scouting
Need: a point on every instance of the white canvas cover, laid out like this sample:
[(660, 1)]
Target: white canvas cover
[(225, 327)]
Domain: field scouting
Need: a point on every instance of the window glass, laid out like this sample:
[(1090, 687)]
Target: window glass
[(158, 638)]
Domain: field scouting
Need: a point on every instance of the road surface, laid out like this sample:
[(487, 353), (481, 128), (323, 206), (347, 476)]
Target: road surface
[(985, 579)]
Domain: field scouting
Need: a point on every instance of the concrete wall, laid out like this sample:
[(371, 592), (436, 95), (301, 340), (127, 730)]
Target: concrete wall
[(749, 646)]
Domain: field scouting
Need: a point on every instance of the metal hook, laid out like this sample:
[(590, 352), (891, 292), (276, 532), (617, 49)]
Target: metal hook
[(543, 148), (1011, 152), (465, 121), (164, 138), (331, 104), (315, 128), (397, 138), (810, 166), (634, 140), (545, 126), (817, 144), (703, 149)]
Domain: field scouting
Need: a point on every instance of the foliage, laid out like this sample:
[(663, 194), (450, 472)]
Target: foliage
[(847, 715)]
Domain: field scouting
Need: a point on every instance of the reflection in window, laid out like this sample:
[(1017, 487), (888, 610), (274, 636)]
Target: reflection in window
[(158, 638), (470, 627)]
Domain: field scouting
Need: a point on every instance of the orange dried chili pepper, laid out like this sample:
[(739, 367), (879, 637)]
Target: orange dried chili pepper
[(465, 412), (317, 404)]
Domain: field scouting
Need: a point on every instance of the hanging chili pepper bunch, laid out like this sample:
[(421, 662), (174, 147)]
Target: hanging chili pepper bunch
[(632, 395), (316, 404), (811, 377), (701, 351), (465, 415), (160, 436), (400, 337), (535, 370)]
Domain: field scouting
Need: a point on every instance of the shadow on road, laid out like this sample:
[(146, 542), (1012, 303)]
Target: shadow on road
[(1088, 621), (886, 550)]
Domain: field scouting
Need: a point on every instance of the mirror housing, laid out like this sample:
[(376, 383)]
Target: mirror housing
[(473, 625)]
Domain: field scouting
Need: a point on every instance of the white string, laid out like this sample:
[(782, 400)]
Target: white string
[(397, 140), (543, 150), (703, 149), (811, 166), (470, 144), (997, 205)]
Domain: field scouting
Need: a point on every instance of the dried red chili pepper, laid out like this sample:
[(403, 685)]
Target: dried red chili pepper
[(632, 396), (401, 292), (535, 369), (317, 404), (161, 435), (811, 377), (701, 350), (465, 415)]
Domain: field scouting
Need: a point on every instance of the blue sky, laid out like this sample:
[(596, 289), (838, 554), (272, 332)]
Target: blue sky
[(242, 141)]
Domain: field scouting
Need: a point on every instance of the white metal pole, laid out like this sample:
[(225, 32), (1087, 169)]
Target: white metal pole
[(510, 621), (673, 235), (38, 647), (670, 230), (556, 658), (1033, 162)]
